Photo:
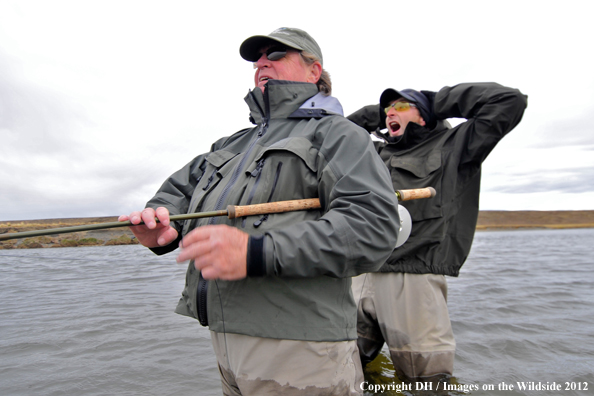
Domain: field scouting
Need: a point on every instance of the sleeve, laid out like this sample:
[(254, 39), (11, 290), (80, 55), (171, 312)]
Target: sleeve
[(491, 110), (360, 225), (370, 118), (176, 192)]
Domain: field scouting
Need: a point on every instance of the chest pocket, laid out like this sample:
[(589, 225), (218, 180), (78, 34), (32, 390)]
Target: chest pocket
[(408, 171), (286, 170), (218, 165)]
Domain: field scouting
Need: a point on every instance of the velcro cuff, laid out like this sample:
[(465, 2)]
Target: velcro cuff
[(256, 265)]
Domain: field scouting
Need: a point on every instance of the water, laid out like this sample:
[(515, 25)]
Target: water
[(99, 320)]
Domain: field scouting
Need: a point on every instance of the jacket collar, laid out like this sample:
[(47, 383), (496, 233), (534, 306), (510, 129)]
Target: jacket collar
[(414, 134), (284, 99), (318, 106)]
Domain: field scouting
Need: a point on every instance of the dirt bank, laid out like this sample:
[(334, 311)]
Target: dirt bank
[(488, 220)]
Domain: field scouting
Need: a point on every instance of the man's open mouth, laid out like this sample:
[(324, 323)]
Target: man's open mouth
[(394, 126)]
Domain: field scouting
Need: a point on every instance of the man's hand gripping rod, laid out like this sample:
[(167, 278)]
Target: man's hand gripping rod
[(232, 212)]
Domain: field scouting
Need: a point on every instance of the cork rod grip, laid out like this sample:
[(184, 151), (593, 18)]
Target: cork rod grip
[(416, 193), (273, 207), (312, 203)]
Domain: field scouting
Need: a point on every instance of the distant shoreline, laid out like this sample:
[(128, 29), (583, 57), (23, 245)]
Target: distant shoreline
[(495, 220), (528, 219), (106, 237)]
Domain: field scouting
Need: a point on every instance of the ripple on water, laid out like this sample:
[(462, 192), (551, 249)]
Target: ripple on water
[(99, 320)]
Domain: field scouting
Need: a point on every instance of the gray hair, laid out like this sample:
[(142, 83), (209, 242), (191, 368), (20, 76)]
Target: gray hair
[(324, 83)]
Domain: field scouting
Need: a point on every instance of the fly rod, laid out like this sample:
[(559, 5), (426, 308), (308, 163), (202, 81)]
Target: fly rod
[(231, 212)]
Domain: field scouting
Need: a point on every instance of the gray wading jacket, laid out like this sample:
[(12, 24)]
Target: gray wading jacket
[(448, 159), (299, 263)]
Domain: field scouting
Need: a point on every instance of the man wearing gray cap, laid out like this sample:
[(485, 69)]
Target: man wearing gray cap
[(275, 289), (405, 303)]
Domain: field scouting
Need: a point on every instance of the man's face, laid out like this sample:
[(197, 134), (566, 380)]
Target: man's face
[(291, 68), (396, 121)]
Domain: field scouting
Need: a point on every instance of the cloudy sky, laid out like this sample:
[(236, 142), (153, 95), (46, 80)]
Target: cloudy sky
[(100, 101)]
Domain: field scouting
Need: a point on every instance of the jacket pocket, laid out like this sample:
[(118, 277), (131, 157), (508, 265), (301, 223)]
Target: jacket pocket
[(285, 171), (262, 219), (409, 172), (217, 166)]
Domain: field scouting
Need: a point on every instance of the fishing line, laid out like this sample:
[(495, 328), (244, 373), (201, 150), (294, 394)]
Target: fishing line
[(361, 292), (224, 331)]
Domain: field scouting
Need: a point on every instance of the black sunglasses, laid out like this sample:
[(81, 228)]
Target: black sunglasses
[(277, 52)]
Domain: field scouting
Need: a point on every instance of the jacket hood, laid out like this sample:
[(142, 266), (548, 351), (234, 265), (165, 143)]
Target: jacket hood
[(320, 105), (290, 99)]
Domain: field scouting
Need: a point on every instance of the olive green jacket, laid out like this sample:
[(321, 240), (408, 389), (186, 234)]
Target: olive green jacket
[(299, 263)]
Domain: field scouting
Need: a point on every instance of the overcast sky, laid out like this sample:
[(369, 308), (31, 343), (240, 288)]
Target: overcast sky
[(100, 101)]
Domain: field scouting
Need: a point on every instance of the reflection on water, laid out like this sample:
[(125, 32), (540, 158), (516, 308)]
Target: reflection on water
[(100, 321)]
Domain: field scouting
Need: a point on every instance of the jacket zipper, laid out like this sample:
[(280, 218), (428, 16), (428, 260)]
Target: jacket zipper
[(210, 179), (258, 223), (255, 173), (195, 208), (201, 294)]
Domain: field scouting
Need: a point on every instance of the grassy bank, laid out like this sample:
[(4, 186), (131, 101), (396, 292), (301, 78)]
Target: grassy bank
[(115, 236), (488, 220)]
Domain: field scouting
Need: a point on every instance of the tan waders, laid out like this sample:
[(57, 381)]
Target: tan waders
[(409, 313), (254, 366)]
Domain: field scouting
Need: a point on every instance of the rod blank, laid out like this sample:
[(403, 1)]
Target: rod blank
[(232, 212)]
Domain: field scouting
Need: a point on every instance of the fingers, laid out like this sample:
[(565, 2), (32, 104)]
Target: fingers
[(211, 272), (219, 252), (148, 217), (195, 244), (151, 234), (134, 217), (200, 248), (166, 236), (163, 215)]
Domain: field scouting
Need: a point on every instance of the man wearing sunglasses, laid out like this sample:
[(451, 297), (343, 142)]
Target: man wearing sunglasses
[(275, 289), (405, 303)]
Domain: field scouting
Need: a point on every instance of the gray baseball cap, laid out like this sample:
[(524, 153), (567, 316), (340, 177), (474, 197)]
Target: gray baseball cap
[(291, 37)]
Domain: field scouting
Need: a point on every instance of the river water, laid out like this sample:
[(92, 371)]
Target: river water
[(99, 321)]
